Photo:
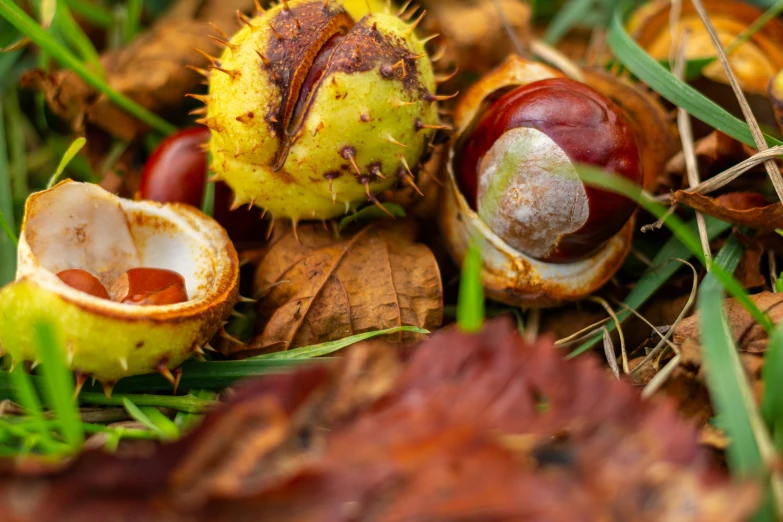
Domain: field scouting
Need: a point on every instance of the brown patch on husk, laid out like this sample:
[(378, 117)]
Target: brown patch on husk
[(316, 288), (292, 51), (378, 437), (738, 208)]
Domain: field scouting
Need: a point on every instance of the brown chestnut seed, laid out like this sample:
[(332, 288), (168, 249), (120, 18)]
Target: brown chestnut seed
[(516, 165), (83, 281), (149, 286)]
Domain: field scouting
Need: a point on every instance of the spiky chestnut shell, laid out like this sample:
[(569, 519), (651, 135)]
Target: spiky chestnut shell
[(81, 226), (311, 113)]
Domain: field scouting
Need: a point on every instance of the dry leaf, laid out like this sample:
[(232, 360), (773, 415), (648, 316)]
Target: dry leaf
[(477, 46), (750, 336), (714, 153), (150, 70), (316, 288), (738, 208), (303, 446), (748, 272), (754, 62)]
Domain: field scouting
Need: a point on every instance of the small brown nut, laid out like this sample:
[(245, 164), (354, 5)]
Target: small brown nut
[(149, 286), (83, 281)]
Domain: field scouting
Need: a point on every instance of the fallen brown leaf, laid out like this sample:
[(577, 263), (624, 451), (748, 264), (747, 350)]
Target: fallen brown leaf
[(315, 288), (748, 272), (750, 336), (714, 153), (150, 70), (464, 427), (754, 62), (477, 46), (739, 208), (687, 384)]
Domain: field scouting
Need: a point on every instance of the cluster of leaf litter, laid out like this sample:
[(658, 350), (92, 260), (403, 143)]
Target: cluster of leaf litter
[(463, 427)]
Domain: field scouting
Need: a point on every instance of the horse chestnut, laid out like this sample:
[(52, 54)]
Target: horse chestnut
[(83, 281), (149, 286), (174, 173), (313, 112), (176, 170), (512, 180), (515, 165)]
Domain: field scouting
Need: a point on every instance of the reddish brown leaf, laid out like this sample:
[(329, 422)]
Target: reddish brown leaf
[(739, 208), (469, 427), (316, 288)]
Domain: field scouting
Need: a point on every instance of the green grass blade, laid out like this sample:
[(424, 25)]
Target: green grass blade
[(662, 270), (723, 372), (613, 183), (772, 377), (8, 240), (165, 425), (755, 27), (185, 403), (470, 304), (58, 383), (16, 146), (571, 14), (152, 419), (27, 26), (78, 39), (91, 12), (208, 201), (202, 375), (647, 69), (318, 350), (185, 420), (72, 151), (132, 20), (371, 213), (27, 397), (137, 414)]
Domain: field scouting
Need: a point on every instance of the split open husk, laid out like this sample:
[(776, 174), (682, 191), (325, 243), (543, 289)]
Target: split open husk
[(509, 276), (81, 226)]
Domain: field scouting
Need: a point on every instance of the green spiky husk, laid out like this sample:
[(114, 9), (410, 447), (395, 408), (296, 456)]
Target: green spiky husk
[(372, 114)]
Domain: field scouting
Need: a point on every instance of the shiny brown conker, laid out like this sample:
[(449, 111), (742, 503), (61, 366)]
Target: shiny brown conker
[(175, 172), (149, 286), (83, 281), (516, 164)]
